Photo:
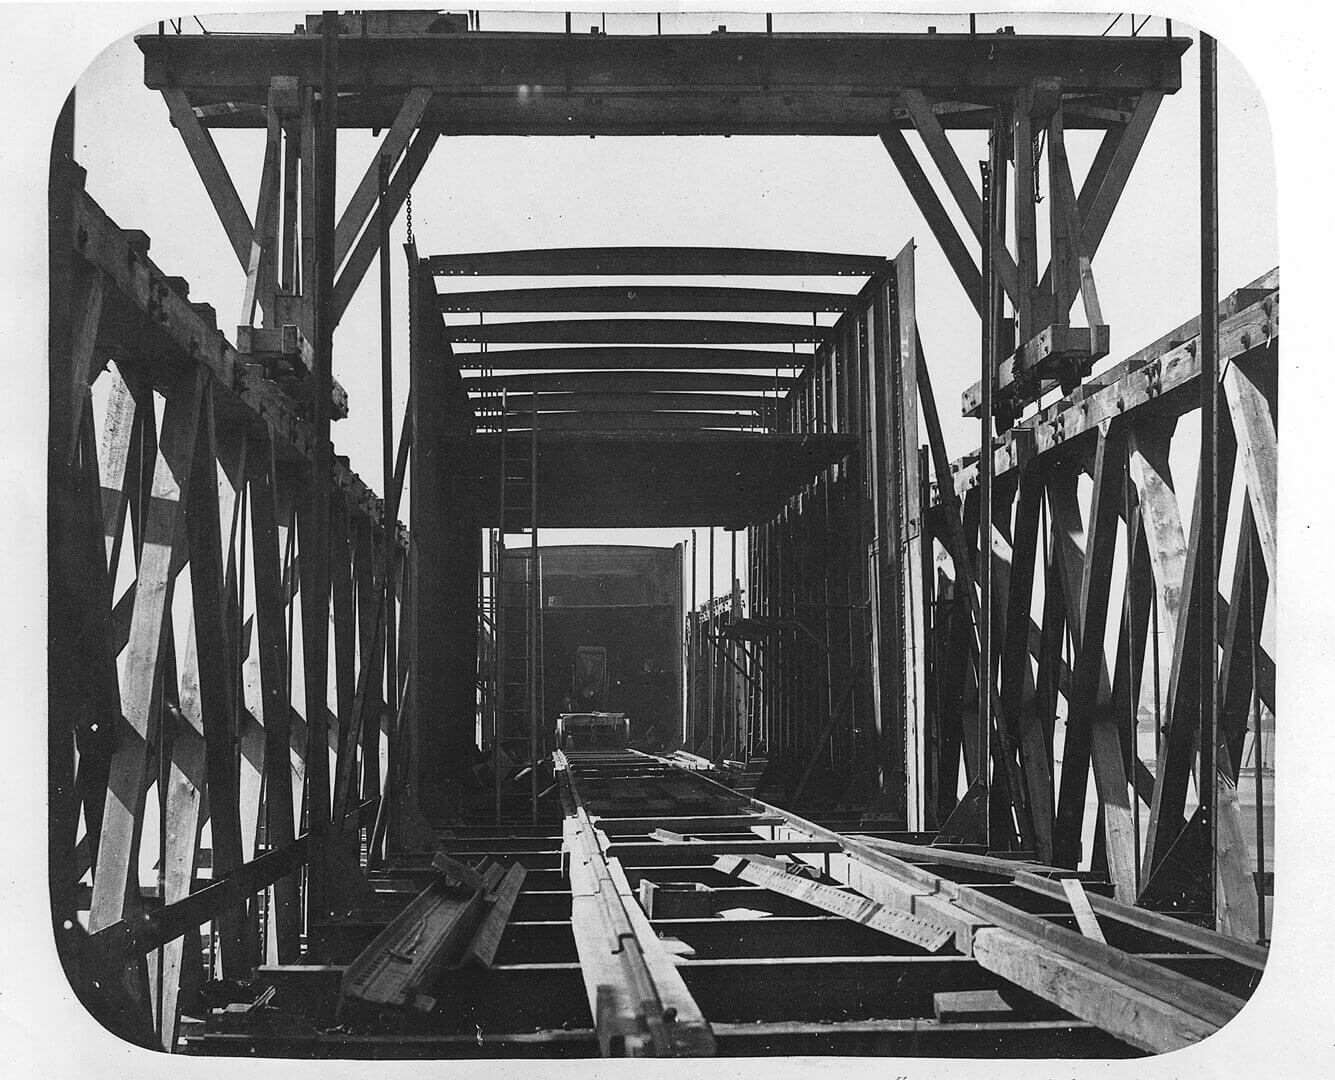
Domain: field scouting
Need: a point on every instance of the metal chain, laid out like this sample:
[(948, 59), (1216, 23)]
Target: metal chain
[(409, 202)]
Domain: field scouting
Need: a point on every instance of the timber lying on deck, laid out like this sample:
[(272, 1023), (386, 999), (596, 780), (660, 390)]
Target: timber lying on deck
[(651, 909)]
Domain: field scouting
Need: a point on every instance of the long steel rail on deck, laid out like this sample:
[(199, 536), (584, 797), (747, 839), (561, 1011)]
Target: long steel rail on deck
[(848, 942)]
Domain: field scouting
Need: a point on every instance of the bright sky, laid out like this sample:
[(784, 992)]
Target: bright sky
[(833, 194)]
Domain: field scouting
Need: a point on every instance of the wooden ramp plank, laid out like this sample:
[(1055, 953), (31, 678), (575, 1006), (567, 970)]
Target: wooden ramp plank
[(858, 909), (1084, 914), (1141, 1019)]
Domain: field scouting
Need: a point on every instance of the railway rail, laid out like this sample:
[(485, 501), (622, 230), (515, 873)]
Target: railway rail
[(657, 890)]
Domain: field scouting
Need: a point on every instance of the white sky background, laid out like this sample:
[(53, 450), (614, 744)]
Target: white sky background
[(1147, 278), (825, 194)]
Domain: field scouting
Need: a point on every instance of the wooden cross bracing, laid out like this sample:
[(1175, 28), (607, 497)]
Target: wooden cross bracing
[(178, 579), (1129, 534), (1041, 302)]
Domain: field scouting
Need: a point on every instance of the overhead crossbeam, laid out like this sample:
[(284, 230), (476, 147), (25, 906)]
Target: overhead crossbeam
[(637, 331), (635, 421), (645, 357), (635, 402), (496, 83), (557, 382), (657, 261), (683, 298)]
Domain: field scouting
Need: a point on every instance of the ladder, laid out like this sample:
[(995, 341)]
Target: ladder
[(517, 591)]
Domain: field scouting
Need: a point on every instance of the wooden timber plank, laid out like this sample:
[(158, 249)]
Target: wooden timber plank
[(971, 1006), (1136, 973), (1166, 378), (359, 261), (1128, 978), (120, 428), (944, 856), (961, 187), (866, 912), (1091, 730), (1177, 749), (154, 928), (273, 665), (902, 379), (929, 205), (633, 852), (1064, 193), (141, 283), (1237, 912), (391, 149), (893, 881), (1003, 557), (1021, 125), (211, 710), (1254, 427), (212, 173), (1239, 647), (85, 316), (93, 625), (116, 867), (1017, 676), (1162, 519), (1138, 1017), (958, 546), (1053, 351), (183, 820), (259, 258), (618, 826), (368, 563), (1084, 914), (1241, 952)]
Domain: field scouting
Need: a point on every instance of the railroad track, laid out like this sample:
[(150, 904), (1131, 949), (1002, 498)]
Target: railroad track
[(664, 914)]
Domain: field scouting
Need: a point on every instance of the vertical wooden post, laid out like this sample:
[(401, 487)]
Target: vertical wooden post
[(315, 512), (911, 555), (387, 459), (271, 634), (1208, 551), (985, 456), (1026, 227)]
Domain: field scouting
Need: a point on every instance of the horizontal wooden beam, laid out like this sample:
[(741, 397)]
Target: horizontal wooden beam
[(657, 261), (564, 382), (1142, 1019), (637, 332), (1163, 380), (135, 937), (644, 298), (1054, 352), (648, 357), (240, 394)]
